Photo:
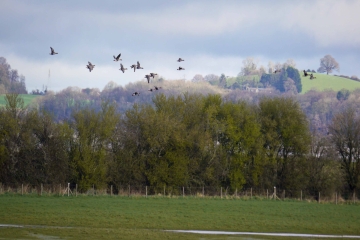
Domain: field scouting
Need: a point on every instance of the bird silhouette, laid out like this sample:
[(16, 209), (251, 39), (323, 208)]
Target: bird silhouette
[(138, 65), (153, 75), (180, 60), (148, 78), (135, 94), (180, 68), (52, 51), (157, 88), (133, 66), (90, 66), (122, 68), (117, 58)]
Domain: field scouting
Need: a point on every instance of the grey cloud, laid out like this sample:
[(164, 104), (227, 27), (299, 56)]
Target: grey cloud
[(95, 30)]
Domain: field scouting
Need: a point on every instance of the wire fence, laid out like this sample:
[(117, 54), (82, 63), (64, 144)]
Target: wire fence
[(67, 189)]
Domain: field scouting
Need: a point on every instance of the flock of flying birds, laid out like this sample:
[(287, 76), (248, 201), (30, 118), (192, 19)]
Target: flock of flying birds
[(91, 66)]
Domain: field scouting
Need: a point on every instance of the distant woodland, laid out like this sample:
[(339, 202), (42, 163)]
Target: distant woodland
[(199, 133), (10, 79)]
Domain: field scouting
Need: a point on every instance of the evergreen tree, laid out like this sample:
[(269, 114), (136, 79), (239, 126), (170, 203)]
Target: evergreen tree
[(294, 74)]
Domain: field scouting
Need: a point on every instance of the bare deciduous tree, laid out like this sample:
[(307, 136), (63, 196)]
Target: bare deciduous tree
[(198, 78), (289, 86), (345, 135), (289, 63), (14, 76), (327, 64), (278, 66), (271, 67), (211, 78), (262, 70), (249, 66)]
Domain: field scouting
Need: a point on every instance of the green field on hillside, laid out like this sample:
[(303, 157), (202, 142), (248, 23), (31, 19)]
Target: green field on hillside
[(28, 98), (114, 217), (323, 81)]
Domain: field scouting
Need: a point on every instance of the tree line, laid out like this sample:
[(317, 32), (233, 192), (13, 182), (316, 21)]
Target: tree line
[(188, 140), (10, 79)]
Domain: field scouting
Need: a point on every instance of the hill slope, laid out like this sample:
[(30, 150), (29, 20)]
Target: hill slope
[(28, 98), (323, 81)]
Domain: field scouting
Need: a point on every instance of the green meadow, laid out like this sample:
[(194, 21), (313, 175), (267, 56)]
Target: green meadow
[(323, 81), (115, 217), (28, 98)]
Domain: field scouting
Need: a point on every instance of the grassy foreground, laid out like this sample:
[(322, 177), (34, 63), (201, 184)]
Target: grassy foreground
[(323, 81), (107, 217)]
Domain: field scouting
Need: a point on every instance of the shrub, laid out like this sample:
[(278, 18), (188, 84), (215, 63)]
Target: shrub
[(354, 77)]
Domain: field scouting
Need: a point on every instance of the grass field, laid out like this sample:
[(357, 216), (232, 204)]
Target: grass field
[(106, 217), (324, 81), (28, 98)]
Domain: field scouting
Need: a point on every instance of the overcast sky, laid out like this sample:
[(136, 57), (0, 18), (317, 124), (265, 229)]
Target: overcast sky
[(212, 36)]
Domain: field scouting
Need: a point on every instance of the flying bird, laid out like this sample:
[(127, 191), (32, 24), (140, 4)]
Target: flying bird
[(52, 51), (180, 60), (133, 66), (138, 66), (148, 78), (277, 71), (153, 75), (90, 66), (151, 90), (117, 58), (180, 68), (122, 68), (157, 88), (135, 94)]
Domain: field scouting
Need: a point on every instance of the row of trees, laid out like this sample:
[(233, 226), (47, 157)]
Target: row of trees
[(287, 80), (320, 107), (251, 72), (183, 140)]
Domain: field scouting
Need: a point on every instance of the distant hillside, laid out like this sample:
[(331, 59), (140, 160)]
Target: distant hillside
[(323, 81), (28, 98)]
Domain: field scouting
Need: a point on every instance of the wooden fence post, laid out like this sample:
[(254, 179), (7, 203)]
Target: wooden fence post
[(183, 192), (129, 191), (319, 197), (354, 196), (60, 189), (336, 198), (110, 190), (275, 193)]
